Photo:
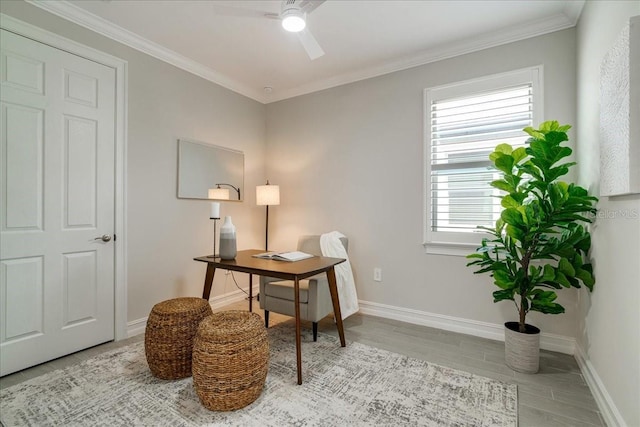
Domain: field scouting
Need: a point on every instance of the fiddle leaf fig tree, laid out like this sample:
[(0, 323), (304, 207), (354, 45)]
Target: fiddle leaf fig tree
[(539, 243)]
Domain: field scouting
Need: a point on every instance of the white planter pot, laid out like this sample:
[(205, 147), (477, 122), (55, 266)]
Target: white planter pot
[(522, 350)]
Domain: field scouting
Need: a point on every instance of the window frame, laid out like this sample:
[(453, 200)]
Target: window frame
[(463, 243)]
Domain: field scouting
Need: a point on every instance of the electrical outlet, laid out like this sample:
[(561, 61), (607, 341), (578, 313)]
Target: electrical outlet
[(377, 274)]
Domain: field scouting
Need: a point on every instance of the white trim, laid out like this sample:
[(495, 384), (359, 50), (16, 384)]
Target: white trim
[(447, 248), (108, 29), (573, 10), (79, 16), (457, 243), (552, 342), (450, 50), (120, 251), (136, 327), (606, 405), (234, 296)]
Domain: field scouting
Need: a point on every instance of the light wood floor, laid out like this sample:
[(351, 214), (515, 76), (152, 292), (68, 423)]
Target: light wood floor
[(556, 396)]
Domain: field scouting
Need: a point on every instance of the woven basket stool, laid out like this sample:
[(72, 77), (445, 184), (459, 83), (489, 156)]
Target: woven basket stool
[(230, 360), (168, 339)]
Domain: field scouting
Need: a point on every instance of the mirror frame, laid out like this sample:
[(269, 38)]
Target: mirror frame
[(206, 165)]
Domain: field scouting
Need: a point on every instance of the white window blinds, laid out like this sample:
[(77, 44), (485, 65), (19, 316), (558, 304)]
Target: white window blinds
[(464, 122), (463, 133)]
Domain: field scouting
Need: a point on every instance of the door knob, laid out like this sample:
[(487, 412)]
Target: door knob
[(104, 238)]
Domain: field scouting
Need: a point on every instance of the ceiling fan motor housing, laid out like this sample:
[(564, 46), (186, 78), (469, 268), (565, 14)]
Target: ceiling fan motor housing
[(292, 11), (291, 5)]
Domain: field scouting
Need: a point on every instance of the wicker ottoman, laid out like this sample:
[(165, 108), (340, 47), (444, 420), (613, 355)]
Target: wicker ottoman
[(230, 360), (168, 339)]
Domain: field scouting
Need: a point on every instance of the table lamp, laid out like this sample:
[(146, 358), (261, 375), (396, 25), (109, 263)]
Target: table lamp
[(216, 194)]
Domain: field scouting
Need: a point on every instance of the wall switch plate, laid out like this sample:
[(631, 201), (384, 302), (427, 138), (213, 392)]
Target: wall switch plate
[(377, 274)]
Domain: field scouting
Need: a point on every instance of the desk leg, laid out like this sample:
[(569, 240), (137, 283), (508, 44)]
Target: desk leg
[(208, 281), (333, 289), (296, 300), (250, 292)]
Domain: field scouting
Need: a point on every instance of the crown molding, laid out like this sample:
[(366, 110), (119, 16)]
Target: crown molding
[(450, 50), (573, 10), (79, 16)]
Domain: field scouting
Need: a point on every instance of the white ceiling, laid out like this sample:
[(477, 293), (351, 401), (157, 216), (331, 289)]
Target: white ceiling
[(232, 44)]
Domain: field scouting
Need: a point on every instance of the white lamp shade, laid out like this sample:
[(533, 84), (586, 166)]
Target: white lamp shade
[(215, 210), (268, 195), (219, 193)]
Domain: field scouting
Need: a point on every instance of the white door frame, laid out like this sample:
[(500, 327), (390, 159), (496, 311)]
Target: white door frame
[(120, 66)]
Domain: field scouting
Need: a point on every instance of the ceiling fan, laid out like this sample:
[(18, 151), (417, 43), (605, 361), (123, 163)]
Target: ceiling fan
[(293, 15)]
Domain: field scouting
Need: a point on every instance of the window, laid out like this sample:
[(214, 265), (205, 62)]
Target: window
[(463, 124)]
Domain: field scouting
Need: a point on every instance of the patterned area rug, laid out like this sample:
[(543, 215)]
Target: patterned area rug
[(357, 386)]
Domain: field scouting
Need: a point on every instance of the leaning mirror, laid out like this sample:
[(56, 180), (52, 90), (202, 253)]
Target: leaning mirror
[(203, 166)]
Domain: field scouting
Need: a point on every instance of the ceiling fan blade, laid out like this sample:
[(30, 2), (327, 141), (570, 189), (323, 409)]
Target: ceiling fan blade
[(310, 44)]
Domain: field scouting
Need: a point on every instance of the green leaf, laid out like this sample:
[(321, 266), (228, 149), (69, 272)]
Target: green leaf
[(554, 138), (502, 295), (505, 163), (539, 149), (502, 279), (533, 132), (503, 185), (548, 126), (565, 267), (504, 148), (534, 273), (555, 173), (586, 277), (577, 262), (562, 279), (516, 233), (509, 202), (512, 216), (549, 273), (552, 308), (519, 154), (544, 296), (531, 169)]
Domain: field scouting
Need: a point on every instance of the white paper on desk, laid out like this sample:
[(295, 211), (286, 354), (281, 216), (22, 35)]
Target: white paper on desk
[(284, 256)]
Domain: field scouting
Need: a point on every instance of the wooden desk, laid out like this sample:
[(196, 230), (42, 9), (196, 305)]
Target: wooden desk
[(296, 271)]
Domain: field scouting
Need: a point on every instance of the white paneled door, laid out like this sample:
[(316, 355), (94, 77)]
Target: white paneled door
[(57, 203)]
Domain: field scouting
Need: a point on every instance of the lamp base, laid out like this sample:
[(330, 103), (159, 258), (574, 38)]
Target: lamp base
[(215, 221)]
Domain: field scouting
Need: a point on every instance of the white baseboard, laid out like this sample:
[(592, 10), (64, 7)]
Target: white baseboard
[(136, 327), (231, 297), (553, 342), (607, 407)]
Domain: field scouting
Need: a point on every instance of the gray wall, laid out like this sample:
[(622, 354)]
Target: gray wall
[(351, 159), (608, 335), (166, 103)]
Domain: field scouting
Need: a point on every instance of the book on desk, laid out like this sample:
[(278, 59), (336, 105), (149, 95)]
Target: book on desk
[(284, 256)]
